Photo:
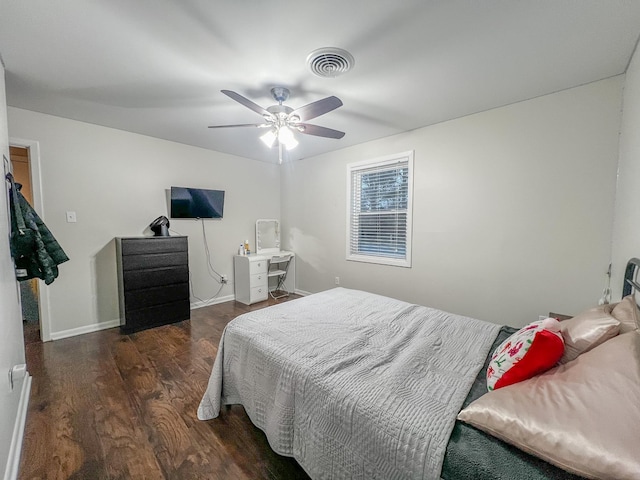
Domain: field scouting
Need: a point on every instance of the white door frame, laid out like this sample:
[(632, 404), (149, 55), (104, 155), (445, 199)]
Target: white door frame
[(38, 205)]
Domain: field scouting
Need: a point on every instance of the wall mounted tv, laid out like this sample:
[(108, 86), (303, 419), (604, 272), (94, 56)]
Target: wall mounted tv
[(196, 203)]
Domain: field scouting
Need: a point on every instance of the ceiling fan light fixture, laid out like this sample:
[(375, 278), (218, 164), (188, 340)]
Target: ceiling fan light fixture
[(269, 138), (285, 136), (282, 122), (293, 143)]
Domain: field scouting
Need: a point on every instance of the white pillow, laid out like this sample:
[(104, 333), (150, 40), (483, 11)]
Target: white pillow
[(627, 312), (588, 330)]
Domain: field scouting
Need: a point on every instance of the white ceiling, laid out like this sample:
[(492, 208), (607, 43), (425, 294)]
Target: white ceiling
[(156, 67)]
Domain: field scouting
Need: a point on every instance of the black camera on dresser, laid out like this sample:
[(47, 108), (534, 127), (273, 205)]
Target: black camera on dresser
[(153, 281)]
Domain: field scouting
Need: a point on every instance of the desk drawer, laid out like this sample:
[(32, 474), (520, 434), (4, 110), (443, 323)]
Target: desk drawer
[(259, 280), (258, 294), (257, 266)]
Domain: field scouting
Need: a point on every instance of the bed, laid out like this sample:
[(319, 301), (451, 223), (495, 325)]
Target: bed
[(357, 385)]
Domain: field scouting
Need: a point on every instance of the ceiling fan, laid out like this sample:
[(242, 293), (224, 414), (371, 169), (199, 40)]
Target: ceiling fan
[(282, 120)]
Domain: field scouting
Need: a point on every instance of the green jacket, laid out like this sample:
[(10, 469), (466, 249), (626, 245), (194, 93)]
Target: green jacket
[(35, 250)]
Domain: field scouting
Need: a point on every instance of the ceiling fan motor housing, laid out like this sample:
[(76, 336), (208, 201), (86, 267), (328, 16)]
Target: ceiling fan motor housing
[(280, 94), (276, 109)]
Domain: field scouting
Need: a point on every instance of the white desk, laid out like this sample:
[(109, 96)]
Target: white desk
[(251, 283)]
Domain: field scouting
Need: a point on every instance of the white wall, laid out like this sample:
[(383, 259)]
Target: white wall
[(626, 232), (513, 209), (116, 182), (11, 339)]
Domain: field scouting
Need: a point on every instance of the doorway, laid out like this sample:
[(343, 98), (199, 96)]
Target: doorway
[(34, 179), (29, 290)]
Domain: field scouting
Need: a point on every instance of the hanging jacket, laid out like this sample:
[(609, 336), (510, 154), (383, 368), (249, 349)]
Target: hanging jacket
[(35, 251)]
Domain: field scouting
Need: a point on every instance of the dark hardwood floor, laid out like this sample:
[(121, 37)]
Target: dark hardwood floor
[(111, 406)]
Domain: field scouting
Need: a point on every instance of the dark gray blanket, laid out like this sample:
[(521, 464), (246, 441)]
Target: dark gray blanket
[(475, 455)]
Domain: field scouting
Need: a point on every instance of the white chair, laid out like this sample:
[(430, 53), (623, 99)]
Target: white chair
[(278, 267)]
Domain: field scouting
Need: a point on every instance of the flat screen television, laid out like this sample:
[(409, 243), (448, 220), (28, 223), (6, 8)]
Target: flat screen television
[(196, 203)]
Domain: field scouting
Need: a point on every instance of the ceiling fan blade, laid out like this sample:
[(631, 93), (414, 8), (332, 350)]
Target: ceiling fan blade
[(315, 109), (319, 131), (246, 102), (257, 125)]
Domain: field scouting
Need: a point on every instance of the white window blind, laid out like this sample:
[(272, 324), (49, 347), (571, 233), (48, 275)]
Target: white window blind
[(379, 217)]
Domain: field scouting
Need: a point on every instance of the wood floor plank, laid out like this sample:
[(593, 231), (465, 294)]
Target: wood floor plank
[(127, 451), (112, 406), (61, 404)]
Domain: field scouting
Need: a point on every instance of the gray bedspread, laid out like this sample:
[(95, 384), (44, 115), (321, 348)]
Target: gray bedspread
[(351, 384)]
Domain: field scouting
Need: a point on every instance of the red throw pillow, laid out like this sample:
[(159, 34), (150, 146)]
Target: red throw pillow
[(528, 352)]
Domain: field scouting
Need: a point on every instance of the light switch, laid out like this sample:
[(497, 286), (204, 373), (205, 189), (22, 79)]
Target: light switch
[(71, 217)]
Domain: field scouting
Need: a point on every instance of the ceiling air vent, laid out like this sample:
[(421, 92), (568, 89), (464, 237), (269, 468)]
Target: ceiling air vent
[(330, 62)]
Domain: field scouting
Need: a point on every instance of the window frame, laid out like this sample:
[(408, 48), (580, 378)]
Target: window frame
[(381, 162)]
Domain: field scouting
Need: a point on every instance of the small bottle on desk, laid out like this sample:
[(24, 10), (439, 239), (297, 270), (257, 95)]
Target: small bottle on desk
[(247, 251)]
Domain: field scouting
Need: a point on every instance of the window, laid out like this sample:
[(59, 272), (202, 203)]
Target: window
[(379, 212)]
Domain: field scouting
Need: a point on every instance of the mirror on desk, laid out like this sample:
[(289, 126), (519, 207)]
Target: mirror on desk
[(267, 235)]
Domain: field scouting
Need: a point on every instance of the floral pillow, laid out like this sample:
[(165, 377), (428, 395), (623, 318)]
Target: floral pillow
[(528, 352)]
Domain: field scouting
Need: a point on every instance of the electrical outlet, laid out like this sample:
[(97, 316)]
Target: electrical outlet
[(337, 280), (223, 278)]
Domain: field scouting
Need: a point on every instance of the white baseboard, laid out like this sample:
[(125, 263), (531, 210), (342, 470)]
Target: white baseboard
[(212, 301), (15, 449), (116, 323), (228, 298), (86, 329)]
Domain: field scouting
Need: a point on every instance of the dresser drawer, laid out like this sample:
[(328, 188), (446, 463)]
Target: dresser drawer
[(258, 293), (151, 297), (154, 260), (157, 315), (155, 277), (258, 266), (136, 246)]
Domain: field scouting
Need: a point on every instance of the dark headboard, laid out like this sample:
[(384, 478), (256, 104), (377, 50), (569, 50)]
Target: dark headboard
[(630, 283)]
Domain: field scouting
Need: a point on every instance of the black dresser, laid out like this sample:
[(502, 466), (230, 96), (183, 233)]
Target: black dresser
[(153, 281)]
